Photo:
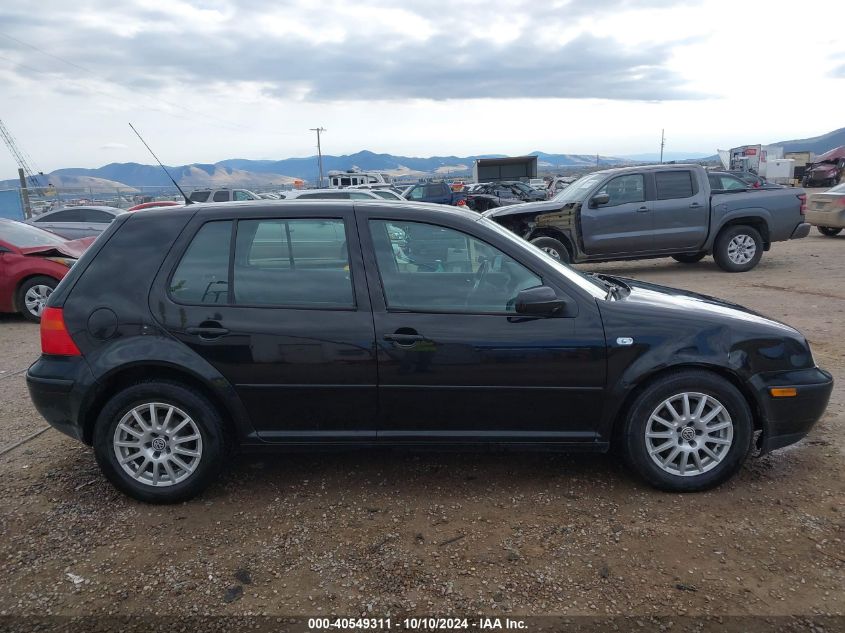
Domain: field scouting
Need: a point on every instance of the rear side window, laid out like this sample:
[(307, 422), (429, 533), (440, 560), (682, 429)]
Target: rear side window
[(200, 196), (221, 196), (292, 263), (67, 215), (203, 274), (673, 184), (95, 215)]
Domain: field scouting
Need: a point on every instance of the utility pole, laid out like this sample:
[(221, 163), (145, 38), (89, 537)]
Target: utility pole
[(318, 130), (27, 205), (662, 143)]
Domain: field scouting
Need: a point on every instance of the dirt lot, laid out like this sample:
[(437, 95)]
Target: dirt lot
[(394, 533)]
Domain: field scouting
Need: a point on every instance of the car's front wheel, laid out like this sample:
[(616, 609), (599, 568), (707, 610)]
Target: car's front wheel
[(552, 247), (688, 431), (33, 295), (159, 442), (829, 231), (738, 249)]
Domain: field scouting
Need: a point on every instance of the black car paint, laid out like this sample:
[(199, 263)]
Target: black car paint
[(489, 378)]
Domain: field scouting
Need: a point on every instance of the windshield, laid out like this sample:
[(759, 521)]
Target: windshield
[(594, 287), (23, 236), (578, 190)]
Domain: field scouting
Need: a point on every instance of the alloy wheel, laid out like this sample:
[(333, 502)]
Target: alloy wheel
[(741, 249), (551, 251), (157, 444), (689, 434), (36, 297)]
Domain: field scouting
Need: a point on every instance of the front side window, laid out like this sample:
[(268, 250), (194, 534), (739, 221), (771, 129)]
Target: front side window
[(430, 268), (624, 190), (200, 196), (673, 184), (97, 216), (242, 195), (202, 275), (416, 193), (302, 262), (67, 215)]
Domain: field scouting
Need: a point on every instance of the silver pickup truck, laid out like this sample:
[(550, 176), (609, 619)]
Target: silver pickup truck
[(658, 211)]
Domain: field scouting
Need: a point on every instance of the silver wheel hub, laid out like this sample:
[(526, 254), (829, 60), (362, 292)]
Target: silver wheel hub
[(689, 434), (551, 251), (157, 444), (741, 249), (36, 297)]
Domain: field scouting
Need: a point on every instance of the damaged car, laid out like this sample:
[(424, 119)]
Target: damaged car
[(826, 170)]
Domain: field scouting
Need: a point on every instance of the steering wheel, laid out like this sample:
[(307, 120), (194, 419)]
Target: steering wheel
[(480, 274)]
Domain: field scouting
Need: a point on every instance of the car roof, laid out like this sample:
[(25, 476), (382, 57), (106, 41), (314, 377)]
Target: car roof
[(114, 210)]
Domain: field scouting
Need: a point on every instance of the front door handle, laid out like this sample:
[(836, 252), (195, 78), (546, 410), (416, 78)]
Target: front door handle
[(207, 331), (642, 209), (695, 205), (404, 340)]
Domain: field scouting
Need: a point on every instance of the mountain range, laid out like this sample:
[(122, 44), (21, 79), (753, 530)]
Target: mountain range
[(245, 172)]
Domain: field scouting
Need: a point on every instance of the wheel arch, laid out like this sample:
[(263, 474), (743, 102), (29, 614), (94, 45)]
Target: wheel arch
[(128, 375), (556, 234), (618, 419), (758, 222)]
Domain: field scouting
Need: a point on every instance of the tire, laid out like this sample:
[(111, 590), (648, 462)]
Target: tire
[(738, 249), (552, 247), (35, 291), (687, 258), (829, 231), (733, 423), (204, 420)]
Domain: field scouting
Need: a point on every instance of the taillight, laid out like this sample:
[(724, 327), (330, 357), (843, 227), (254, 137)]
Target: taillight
[(461, 203), (803, 198), (55, 339)]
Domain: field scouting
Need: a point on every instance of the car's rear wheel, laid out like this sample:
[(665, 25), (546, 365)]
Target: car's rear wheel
[(159, 442), (829, 231), (33, 294), (552, 247), (688, 258), (738, 249), (688, 431)]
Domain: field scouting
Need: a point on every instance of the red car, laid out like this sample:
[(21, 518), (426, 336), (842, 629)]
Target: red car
[(156, 203), (32, 261)]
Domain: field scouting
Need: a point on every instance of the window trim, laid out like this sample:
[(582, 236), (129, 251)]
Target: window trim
[(387, 307), (230, 295)]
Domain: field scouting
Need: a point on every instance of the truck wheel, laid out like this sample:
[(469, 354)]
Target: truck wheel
[(828, 230), (688, 258), (552, 247), (688, 431), (738, 249)]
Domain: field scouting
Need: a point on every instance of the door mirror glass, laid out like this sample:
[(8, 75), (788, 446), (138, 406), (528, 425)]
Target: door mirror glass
[(540, 301), (599, 199)]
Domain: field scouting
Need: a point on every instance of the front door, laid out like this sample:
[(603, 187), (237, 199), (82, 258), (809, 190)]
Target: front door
[(277, 303), (622, 225), (455, 361)]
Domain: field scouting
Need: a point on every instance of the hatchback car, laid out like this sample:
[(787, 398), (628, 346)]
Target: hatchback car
[(282, 325), (73, 223), (32, 262)]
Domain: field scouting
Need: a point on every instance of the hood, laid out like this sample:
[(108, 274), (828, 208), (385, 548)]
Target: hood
[(71, 248), (682, 300), (823, 168), (834, 154), (544, 206)]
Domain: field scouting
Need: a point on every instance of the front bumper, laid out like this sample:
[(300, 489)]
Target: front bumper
[(787, 420), (802, 230), (58, 386)]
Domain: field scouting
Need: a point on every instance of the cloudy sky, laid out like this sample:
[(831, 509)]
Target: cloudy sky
[(206, 80)]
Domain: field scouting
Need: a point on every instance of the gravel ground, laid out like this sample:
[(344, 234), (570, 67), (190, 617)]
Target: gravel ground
[(423, 533)]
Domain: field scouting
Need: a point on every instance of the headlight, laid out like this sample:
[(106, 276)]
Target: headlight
[(64, 261)]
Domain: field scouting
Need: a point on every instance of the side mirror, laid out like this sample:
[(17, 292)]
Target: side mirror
[(541, 301), (599, 199)]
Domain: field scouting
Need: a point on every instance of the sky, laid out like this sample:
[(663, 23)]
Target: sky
[(207, 80)]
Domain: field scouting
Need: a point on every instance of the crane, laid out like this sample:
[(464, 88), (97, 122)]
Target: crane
[(23, 166)]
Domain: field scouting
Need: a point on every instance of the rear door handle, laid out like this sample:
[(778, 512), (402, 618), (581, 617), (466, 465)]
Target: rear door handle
[(642, 209)]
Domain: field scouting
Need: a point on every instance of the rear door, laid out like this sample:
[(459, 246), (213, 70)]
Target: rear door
[(680, 210), (276, 301), (623, 224)]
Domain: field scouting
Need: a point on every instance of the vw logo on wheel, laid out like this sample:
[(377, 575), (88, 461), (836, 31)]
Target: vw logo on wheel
[(159, 444)]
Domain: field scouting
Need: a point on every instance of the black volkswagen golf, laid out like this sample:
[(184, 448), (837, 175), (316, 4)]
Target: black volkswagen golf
[(184, 334)]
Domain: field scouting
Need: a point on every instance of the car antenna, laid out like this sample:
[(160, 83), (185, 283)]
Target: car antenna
[(173, 180)]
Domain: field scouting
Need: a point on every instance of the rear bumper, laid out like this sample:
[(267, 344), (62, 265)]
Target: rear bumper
[(802, 230), (832, 219), (58, 386), (787, 420)]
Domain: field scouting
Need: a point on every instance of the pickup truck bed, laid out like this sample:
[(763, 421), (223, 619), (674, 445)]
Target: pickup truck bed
[(658, 211)]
